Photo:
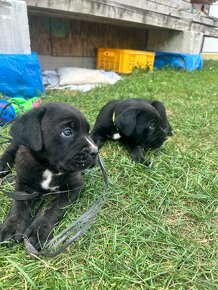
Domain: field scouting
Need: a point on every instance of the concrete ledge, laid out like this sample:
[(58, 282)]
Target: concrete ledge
[(139, 14)]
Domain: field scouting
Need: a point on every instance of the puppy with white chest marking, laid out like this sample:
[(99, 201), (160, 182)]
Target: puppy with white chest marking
[(137, 123), (52, 147)]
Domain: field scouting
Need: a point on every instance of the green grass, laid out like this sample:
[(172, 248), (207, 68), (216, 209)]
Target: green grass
[(157, 229)]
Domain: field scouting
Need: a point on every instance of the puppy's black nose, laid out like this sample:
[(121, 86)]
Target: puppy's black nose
[(93, 151)]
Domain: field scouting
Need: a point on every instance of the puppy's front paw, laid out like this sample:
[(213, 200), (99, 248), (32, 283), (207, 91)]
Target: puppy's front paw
[(141, 160), (39, 232), (12, 229)]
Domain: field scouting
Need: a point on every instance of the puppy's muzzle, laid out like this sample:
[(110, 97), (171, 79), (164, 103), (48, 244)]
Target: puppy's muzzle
[(92, 148), (88, 156), (94, 152), (89, 153)]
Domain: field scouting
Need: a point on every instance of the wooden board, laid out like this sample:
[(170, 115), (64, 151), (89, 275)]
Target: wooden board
[(40, 39), (81, 38)]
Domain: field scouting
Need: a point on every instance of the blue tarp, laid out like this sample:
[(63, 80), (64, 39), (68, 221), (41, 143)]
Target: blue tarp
[(20, 75), (178, 60), (7, 112)]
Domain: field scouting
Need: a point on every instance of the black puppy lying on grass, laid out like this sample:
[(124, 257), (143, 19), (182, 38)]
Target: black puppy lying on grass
[(52, 148), (137, 123)]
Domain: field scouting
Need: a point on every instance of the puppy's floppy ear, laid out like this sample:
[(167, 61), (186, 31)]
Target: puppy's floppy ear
[(126, 121), (27, 129), (159, 106)]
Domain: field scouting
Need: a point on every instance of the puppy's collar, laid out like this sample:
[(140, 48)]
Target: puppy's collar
[(113, 117), (113, 120)]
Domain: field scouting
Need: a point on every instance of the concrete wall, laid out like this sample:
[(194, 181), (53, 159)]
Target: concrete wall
[(14, 27), (175, 41)]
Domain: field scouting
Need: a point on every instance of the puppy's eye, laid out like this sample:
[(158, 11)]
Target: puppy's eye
[(152, 126), (67, 133)]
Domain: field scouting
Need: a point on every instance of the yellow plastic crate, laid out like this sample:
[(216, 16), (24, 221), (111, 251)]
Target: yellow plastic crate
[(124, 60)]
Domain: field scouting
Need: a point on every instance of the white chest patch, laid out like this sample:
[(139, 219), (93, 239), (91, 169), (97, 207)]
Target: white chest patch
[(47, 178), (116, 136)]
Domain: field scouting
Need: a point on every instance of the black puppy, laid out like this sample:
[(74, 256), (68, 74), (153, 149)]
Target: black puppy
[(139, 124), (52, 147)]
